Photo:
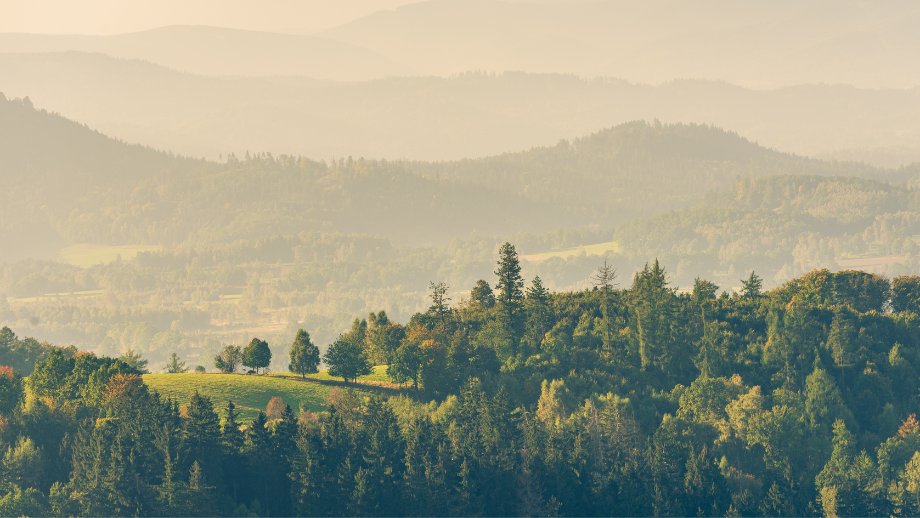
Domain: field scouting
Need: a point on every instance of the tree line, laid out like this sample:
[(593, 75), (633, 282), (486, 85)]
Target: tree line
[(633, 400)]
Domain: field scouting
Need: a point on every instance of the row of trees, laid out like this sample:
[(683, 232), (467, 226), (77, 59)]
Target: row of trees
[(256, 355)]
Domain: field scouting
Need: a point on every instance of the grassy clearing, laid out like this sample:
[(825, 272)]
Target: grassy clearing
[(378, 375), (249, 393), (87, 255), (565, 253)]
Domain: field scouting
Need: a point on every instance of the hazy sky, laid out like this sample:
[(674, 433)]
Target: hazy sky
[(103, 17), (119, 16)]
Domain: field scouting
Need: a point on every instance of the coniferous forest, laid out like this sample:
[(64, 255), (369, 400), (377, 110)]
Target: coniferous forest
[(629, 398)]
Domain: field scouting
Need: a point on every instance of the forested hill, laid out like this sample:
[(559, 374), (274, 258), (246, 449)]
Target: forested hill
[(66, 183), (50, 165), (69, 184), (784, 226), (633, 169)]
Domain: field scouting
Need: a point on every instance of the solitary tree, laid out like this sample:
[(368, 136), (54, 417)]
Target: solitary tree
[(750, 287), (510, 289), (257, 355), (440, 302), (407, 363), (134, 359), (304, 355), (174, 366), (604, 279), (346, 358), (229, 359)]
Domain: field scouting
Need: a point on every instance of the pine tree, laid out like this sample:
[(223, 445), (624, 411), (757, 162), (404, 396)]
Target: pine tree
[(203, 438), (510, 288), (750, 287), (539, 313), (174, 366), (604, 279)]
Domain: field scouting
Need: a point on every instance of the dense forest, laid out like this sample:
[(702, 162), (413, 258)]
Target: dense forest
[(614, 400)]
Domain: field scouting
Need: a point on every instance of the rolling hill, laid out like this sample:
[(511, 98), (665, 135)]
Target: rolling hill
[(432, 118), (750, 43), (72, 184)]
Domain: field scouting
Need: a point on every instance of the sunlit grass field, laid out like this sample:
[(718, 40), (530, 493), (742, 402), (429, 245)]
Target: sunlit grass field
[(250, 394), (596, 249), (379, 374), (87, 255)]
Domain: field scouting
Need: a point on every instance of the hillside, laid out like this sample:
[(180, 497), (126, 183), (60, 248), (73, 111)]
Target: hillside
[(751, 43), (215, 51), (432, 118), (632, 169), (90, 189), (783, 227)]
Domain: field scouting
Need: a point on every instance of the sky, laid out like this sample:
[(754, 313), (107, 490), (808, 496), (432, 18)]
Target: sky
[(105, 17)]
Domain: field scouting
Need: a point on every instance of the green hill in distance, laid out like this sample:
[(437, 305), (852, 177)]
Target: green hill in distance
[(72, 185)]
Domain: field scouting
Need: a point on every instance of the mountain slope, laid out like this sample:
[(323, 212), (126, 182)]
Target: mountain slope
[(430, 118), (215, 51), (67, 183), (767, 44)]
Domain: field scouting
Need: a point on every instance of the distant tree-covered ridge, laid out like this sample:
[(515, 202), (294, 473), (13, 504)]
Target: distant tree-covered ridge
[(637, 400), (71, 184)]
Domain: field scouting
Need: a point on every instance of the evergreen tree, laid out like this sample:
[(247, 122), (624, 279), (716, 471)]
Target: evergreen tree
[(304, 355), (203, 438), (842, 339), (174, 366), (750, 287), (134, 360), (539, 313), (603, 280), (510, 287), (482, 295), (440, 302)]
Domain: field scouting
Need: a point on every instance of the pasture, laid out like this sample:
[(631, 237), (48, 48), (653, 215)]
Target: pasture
[(250, 394), (565, 253), (85, 255)]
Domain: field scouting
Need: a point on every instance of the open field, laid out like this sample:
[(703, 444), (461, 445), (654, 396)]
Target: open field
[(252, 393), (596, 249), (378, 375), (249, 393), (87, 255)]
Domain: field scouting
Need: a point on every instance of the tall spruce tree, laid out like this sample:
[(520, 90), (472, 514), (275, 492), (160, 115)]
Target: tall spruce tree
[(604, 281), (510, 287)]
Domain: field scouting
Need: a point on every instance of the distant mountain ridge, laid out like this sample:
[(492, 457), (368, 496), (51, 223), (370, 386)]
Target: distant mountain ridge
[(431, 118), (215, 51), (70, 184), (762, 44)]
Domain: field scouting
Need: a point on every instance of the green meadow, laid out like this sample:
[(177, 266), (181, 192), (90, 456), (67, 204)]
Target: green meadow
[(596, 249), (250, 394), (85, 255)]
